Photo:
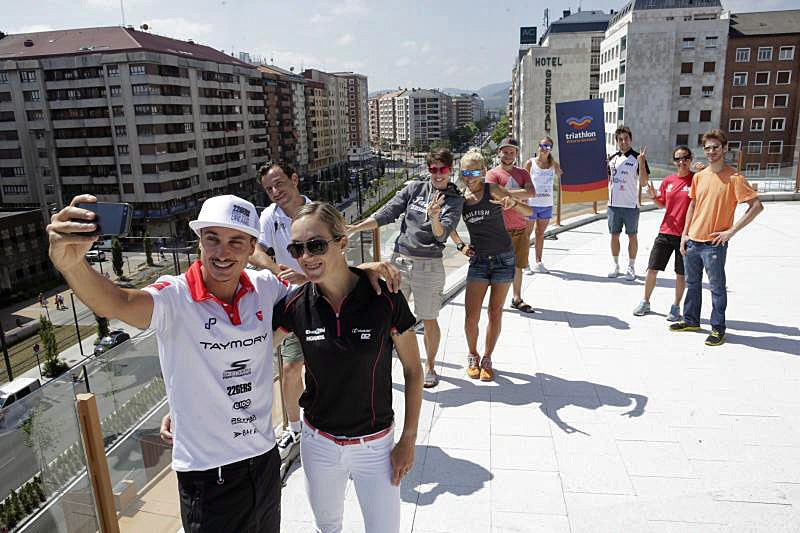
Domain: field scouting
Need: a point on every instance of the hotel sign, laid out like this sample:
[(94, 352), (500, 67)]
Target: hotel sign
[(549, 62)]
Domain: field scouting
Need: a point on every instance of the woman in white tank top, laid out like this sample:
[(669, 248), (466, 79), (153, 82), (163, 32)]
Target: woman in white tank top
[(543, 170)]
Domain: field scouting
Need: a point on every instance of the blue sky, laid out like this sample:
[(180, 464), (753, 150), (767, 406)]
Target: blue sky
[(441, 43)]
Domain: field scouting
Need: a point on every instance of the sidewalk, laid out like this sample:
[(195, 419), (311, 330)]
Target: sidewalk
[(602, 421)]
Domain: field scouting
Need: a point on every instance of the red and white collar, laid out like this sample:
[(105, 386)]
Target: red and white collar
[(200, 292)]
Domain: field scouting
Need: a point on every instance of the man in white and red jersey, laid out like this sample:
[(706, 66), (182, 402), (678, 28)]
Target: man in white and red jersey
[(214, 330)]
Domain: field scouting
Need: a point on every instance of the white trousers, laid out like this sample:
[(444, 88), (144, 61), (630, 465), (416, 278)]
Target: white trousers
[(327, 467)]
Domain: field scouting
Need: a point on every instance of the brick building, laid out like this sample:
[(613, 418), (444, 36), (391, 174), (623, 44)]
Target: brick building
[(760, 98)]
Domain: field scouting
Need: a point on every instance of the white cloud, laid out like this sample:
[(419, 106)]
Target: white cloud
[(409, 44), (32, 28), (403, 61), (350, 7), (426, 47), (319, 18), (345, 39), (179, 28)]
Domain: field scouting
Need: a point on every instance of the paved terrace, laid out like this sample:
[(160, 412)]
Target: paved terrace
[(601, 421)]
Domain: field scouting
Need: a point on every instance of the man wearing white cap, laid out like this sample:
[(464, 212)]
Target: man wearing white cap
[(214, 330)]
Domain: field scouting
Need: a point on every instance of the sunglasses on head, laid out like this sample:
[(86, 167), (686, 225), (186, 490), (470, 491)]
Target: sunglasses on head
[(682, 158), (314, 247), (439, 170), (546, 146), (470, 173)]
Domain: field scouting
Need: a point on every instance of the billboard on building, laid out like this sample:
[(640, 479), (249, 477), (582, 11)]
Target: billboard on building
[(527, 35), (582, 151)]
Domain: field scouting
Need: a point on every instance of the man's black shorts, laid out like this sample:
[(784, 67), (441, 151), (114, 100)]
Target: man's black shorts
[(663, 247)]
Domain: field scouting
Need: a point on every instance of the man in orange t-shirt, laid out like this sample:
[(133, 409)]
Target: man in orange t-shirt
[(715, 192)]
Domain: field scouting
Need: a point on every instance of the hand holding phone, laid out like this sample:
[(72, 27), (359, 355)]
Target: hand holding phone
[(111, 219)]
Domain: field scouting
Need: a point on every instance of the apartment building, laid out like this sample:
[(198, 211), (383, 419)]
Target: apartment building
[(564, 66), (332, 128), (662, 64), (465, 108), (131, 116), (388, 119), (374, 120), (760, 96), (285, 114), (23, 243), (357, 116), (422, 116)]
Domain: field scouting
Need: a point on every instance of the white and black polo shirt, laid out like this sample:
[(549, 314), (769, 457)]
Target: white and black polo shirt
[(348, 354), (217, 364), (623, 183)]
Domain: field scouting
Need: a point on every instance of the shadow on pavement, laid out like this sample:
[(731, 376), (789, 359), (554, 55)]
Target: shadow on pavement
[(451, 475), (578, 320), (661, 282)]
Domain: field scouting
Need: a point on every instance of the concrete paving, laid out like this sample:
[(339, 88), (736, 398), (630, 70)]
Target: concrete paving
[(601, 421)]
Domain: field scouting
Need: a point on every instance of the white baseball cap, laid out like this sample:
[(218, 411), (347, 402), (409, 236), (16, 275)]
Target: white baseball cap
[(227, 211)]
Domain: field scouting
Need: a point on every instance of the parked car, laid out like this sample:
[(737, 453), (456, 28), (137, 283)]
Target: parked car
[(95, 256), (115, 338), (12, 411), (105, 244)]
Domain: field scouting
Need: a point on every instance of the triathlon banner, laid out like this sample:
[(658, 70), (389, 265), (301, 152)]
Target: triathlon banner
[(582, 151)]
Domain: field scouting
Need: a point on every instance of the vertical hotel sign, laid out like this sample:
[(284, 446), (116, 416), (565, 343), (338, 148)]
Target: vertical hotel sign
[(582, 151)]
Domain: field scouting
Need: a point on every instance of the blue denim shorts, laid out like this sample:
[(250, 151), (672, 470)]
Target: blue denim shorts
[(492, 268), (619, 216), (545, 212)]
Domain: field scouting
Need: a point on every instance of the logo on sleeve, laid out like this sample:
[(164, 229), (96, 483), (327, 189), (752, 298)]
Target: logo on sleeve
[(159, 286), (315, 334)]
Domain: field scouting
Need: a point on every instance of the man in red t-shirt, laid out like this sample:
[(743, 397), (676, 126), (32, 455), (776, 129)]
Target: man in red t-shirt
[(519, 185), (673, 194)]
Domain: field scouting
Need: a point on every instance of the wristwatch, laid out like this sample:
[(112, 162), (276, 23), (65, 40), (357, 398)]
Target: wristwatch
[(460, 246)]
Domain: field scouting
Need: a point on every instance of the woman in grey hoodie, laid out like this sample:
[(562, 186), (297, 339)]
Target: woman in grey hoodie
[(432, 208)]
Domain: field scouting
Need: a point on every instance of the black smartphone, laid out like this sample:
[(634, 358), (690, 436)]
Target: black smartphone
[(112, 219)]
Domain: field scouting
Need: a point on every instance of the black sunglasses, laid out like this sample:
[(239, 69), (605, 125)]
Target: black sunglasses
[(682, 158), (314, 247)]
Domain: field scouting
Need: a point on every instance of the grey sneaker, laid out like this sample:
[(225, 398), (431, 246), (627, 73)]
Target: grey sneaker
[(642, 309), (630, 275), (674, 313), (286, 442), (614, 273), (540, 269)]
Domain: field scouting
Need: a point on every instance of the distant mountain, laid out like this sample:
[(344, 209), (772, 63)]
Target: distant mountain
[(380, 93)]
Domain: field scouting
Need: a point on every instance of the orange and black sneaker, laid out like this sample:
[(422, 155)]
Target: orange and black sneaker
[(715, 338), (473, 368), (683, 326), (487, 374)]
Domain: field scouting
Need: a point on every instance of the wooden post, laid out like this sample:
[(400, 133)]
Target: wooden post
[(284, 413), (376, 244), (558, 207), (594, 207), (797, 176), (96, 463)]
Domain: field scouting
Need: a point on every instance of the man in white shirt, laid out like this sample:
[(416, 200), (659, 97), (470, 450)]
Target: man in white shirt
[(627, 173), (280, 182)]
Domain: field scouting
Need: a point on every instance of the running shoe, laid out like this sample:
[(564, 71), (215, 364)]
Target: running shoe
[(683, 326), (614, 273), (487, 374), (528, 271), (540, 269), (715, 339), (473, 367), (674, 313), (630, 274), (286, 442), (431, 379), (642, 309)]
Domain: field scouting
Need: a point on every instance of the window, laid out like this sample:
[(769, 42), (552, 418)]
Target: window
[(738, 102), (735, 124), (116, 90), (739, 79), (783, 77), (775, 147), (126, 171), (122, 149), (688, 42), (742, 55), (31, 96), (19, 171), (188, 127), (759, 101), (734, 146), (27, 76), (622, 68), (3, 77), (779, 100), (752, 169), (754, 147), (699, 139), (777, 124), (786, 53), (756, 124), (708, 91), (762, 78), (712, 41), (682, 138), (773, 169), (119, 111), (623, 43), (685, 91), (141, 89), (709, 66), (35, 114), (137, 70), (620, 114), (113, 71), (686, 68), (764, 53), (705, 115), (683, 116)]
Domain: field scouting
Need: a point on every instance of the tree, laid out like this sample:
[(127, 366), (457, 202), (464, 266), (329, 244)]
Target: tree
[(14, 512), (148, 249), (440, 143), (53, 365), (116, 257), (102, 327), (500, 130)]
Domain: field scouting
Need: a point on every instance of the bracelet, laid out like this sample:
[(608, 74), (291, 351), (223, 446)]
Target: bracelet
[(460, 246)]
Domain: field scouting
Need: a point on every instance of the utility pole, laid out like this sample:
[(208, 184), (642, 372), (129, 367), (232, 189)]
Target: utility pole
[(5, 354)]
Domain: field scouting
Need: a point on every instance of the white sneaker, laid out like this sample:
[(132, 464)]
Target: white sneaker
[(288, 440), (540, 269), (527, 270), (630, 275), (614, 273)]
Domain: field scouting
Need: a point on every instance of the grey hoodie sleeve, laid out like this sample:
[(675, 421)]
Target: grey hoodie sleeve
[(450, 215), (393, 208)]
